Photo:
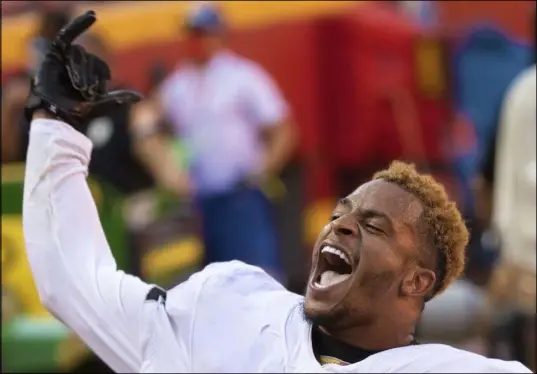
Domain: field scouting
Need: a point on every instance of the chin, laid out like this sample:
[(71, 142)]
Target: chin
[(320, 313)]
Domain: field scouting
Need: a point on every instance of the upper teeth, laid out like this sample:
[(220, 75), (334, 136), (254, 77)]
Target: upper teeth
[(337, 252)]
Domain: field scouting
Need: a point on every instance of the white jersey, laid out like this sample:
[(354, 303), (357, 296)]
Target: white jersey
[(516, 182), (230, 317)]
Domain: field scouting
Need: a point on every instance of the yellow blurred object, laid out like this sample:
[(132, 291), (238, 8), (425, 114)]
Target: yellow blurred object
[(182, 253), (17, 279), (71, 352), (316, 217), (274, 188), (10, 306), (13, 173), (430, 69), (121, 23), (16, 274)]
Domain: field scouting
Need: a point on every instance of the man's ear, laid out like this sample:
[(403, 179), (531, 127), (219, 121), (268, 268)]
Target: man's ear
[(418, 283)]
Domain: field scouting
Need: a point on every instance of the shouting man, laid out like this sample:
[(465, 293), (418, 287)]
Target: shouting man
[(390, 246)]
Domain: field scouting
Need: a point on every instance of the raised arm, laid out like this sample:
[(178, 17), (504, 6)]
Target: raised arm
[(76, 275), (72, 264)]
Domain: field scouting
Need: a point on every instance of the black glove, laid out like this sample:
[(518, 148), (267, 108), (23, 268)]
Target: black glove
[(70, 83)]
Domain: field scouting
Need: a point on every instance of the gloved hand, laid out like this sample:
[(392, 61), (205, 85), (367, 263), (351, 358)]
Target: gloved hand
[(70, 83)]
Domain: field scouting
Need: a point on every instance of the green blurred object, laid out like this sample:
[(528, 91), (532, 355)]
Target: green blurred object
[(31, 338), (30, 345), (182, 152)]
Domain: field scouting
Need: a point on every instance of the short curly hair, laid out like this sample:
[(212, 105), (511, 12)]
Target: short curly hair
[(445, 229)]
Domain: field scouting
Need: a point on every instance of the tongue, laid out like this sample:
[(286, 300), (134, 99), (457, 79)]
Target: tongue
[(329, 278)]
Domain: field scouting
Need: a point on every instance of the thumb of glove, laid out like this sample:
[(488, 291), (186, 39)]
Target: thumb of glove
[(111, 100)]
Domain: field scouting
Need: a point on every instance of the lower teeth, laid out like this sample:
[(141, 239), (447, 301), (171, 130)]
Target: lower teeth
[(330, 278)]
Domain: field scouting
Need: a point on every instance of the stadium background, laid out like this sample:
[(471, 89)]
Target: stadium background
[(367, 84)]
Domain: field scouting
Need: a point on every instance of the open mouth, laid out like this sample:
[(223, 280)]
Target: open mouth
[(334, 267)]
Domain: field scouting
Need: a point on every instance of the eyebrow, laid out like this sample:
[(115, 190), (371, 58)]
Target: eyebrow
[(372, 213), (368, 213)]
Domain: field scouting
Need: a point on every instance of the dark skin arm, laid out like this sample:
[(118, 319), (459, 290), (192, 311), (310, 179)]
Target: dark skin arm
[(483, 197), (41, 114), (151, 146), (483, 194), (280, 142), (483, 185), (483, 188)]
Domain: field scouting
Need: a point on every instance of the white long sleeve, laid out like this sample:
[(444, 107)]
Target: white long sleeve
[(515, 181), (71, 262)]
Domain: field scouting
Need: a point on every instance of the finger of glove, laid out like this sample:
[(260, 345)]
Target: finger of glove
[(102, 69), (74, 29), (77, 68), (52, 76), (101, 73), (52, 82), (113, 100), (118, 97), (93, 78)]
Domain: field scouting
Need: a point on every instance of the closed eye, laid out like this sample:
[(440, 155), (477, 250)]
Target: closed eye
[(333, 218), (373, 229)]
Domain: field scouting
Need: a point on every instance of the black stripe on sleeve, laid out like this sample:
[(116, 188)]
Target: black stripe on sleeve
[(156, 294)]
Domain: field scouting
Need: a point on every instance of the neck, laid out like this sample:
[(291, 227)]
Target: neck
[(380, 335), (202, 62)]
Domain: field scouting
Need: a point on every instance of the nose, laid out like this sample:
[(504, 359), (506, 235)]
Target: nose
[(345, 226)]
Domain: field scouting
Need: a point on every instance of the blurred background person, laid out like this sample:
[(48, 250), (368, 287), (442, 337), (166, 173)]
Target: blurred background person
[(508, 181), (51, 21), (514, 208), (484, 183), (505, 210), (115, 159), (237, 126), (16, 89), (14, 94)]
